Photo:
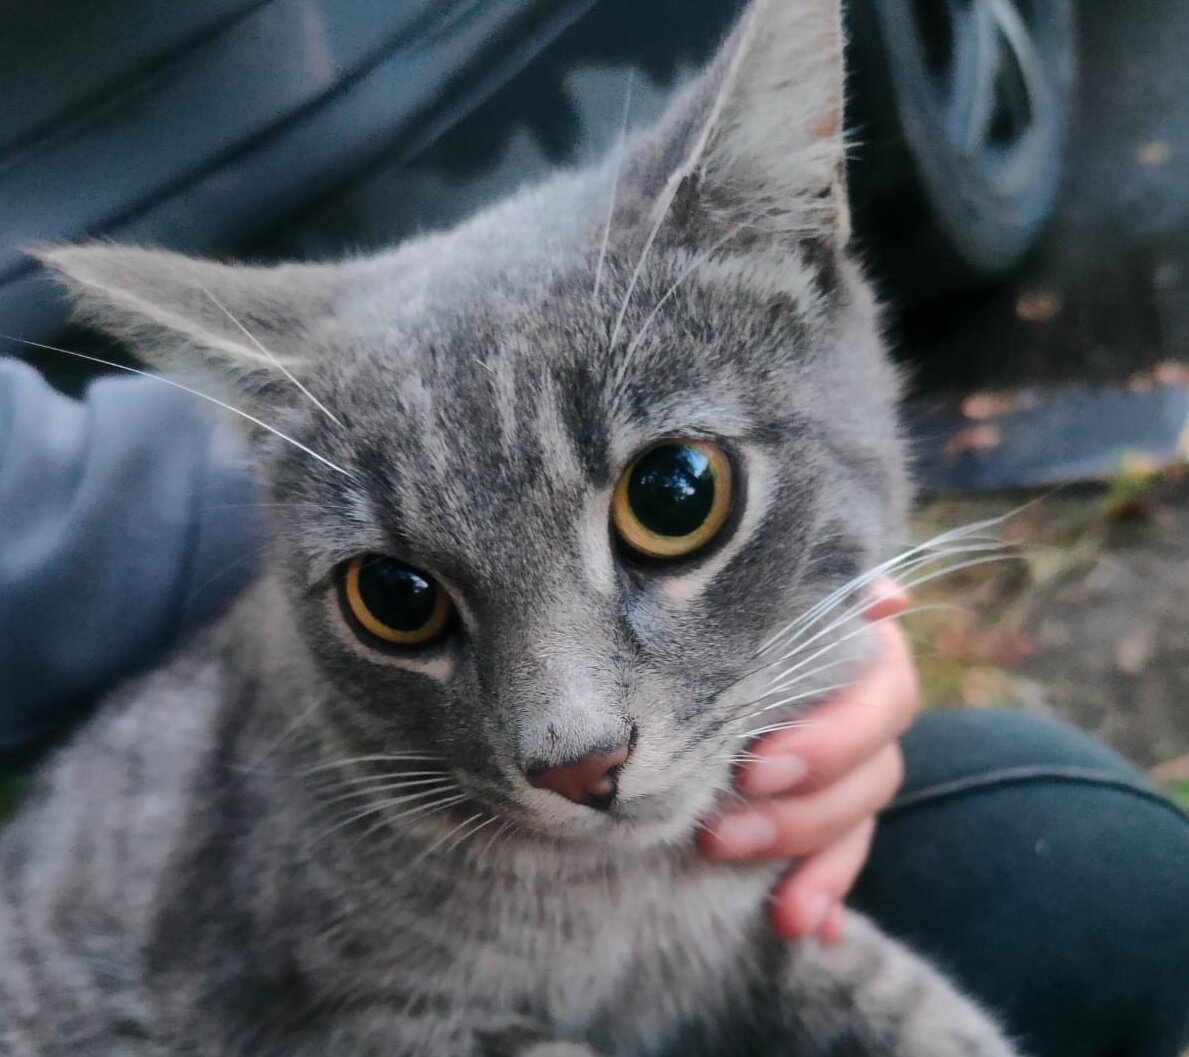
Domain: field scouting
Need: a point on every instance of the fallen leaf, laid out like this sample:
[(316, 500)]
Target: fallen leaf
[(1154, 152), (1167, 372), (1129, 508), (1047, 564), (1175, 770), (1040, 306), (984, 687), (991, 404), (1170, 372), (1131, 496), (975, 438), (1134, 651), (964, 640)]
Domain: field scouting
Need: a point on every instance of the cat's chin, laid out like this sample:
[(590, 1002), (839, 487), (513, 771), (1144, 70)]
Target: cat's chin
[(643, 824), (616, 835), (652, 834)]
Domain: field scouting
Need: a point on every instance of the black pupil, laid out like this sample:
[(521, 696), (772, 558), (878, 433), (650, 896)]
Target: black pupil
[(396, 594), (671, 490)]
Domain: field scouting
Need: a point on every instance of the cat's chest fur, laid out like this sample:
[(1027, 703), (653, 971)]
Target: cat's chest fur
[(622, 959), (593, 955)]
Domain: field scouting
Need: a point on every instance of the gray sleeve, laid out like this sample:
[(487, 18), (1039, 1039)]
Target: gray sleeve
[(126, 519)]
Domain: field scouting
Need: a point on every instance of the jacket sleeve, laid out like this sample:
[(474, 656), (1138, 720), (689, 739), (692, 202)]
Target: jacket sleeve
[(126, 520)]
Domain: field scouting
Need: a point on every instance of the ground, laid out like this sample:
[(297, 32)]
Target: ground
[(1085, 617)]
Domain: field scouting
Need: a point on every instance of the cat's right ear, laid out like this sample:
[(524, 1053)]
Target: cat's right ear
[(757, 141), (226, 327)]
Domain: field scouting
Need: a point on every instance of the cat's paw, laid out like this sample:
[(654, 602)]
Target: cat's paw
[(884, 1001)]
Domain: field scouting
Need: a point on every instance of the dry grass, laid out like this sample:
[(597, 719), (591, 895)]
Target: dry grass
[(978, 632)]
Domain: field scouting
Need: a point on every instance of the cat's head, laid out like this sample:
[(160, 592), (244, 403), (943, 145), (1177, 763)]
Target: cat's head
[(550, 482)]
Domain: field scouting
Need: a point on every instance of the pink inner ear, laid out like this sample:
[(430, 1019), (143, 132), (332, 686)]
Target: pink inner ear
[(829, 124)]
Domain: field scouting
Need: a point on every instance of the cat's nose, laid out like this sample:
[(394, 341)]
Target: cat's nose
[(590, 780)]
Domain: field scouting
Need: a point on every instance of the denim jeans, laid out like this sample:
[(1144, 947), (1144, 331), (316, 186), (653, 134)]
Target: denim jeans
[(1043, 872)]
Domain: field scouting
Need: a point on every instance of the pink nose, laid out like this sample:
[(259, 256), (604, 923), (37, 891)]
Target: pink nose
[(589, 781)]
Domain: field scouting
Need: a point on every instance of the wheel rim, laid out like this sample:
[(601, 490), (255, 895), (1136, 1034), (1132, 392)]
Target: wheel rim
[(991, 88)]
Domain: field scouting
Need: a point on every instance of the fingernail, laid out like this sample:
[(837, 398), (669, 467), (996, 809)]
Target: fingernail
[(819, 909), (744, 834), (835, 925), (775, 774)]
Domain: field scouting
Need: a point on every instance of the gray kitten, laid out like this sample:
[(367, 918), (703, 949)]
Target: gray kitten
[(570, 503)]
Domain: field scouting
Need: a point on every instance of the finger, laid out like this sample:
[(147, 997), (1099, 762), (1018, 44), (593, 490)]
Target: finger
[(809, 900), (777, 766), (842, 733), (833, 931), (784, 828), (888, 599)]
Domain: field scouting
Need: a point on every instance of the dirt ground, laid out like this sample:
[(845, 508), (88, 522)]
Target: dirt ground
[(1086, 618)]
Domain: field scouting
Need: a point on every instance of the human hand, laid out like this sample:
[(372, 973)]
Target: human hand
[(818, 787)]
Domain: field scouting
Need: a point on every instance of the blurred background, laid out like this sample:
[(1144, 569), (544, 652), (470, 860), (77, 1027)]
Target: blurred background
[(1021, 190)]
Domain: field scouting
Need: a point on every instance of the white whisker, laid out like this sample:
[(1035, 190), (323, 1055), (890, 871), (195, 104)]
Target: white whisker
[(382, 808), (249, 554), (737, 757), (296, 505), (836, 643), (436, 786), (193, 392), (425, 809), (381, 757), (635, 278), (623, 130), (274, 360), (445, 837), (915, 566), (696, 263), (906, 561), (952, 570), (931, 549), (773, 727), (470, 834), (359, 779), (486, 849), (436, 789), (774, 685), (789, 635), (817, 691)]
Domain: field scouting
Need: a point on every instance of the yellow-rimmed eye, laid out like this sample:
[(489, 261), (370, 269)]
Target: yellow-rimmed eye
[(394, 601), (673, 499)]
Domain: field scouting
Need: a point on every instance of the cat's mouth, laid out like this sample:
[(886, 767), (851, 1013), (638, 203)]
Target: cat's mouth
[(630, 821)]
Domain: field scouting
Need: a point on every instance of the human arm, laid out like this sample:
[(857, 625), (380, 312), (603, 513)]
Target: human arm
[(126, 519)]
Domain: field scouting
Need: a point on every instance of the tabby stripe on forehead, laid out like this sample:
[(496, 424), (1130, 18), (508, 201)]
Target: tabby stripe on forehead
[(584, 419), (387, 488)]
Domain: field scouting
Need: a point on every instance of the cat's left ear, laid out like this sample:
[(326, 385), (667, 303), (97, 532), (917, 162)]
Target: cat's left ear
[(225, 326), (757, 141)]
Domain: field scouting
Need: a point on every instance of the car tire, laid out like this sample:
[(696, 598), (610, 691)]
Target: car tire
[(960, 110)]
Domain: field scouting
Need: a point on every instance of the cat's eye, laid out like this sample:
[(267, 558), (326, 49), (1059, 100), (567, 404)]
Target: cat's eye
[(394, 601), (673, 499)]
